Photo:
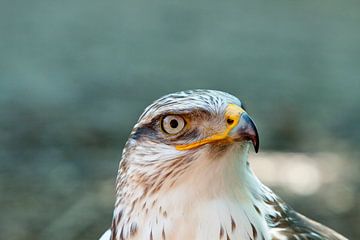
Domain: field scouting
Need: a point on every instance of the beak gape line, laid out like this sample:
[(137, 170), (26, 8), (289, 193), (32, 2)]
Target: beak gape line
[(240, 127)]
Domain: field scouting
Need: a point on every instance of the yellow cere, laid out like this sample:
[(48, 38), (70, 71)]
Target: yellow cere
[(233, 113)]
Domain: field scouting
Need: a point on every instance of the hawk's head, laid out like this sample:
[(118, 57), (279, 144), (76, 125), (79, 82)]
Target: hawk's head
[(180, 128), (184, 175), (191, 120), (186, 146)]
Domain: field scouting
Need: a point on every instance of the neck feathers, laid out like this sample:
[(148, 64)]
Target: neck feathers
[(202, 197)]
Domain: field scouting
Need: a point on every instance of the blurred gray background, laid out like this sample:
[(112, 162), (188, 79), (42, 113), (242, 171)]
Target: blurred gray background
[(75, 76)]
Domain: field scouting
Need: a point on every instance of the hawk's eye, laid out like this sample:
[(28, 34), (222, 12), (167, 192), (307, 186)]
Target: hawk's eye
[(172, 124)]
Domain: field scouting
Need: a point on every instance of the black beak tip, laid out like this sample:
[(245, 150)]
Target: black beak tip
[(256, 141), (251, 131), (256, 145)]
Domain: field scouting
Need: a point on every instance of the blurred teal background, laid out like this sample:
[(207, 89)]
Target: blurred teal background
[(75, 76)]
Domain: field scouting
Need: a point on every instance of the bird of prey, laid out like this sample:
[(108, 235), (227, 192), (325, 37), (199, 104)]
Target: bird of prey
[(185, 175)]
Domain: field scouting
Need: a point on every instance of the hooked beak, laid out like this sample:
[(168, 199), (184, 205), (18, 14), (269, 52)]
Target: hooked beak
[(246, 130)]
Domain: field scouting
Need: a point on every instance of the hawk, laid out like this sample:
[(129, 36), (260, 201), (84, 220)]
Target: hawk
[(184, 174)]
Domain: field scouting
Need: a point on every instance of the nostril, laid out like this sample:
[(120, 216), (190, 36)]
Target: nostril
[(230, 121)]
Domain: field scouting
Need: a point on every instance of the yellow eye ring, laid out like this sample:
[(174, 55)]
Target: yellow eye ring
[(173, 124)]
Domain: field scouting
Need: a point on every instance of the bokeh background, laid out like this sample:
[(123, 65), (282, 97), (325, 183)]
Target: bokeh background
[(75, 75)]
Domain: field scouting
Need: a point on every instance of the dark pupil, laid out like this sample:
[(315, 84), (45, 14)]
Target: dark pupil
[(174, 123)]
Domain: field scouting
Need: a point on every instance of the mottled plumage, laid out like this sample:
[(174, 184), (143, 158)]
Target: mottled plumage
[(185, 174)]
